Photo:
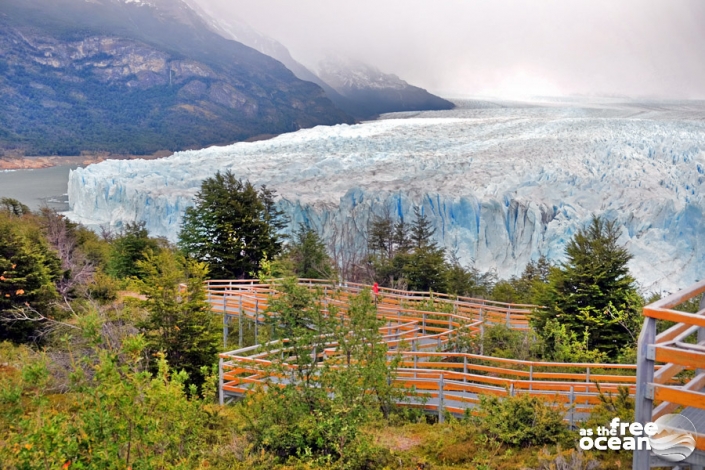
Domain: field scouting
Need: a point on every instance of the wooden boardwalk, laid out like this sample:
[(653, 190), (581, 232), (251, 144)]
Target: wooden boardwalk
[(437, 378), (670, 377), (671, 368)]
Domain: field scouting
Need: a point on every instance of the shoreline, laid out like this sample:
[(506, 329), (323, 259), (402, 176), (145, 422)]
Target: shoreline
[(38, 163)]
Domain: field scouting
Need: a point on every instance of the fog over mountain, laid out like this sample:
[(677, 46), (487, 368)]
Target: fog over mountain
[(639, 48)]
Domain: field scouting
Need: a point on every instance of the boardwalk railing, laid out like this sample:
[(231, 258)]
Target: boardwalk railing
[(225, 296), (436, 378), (678, 385)]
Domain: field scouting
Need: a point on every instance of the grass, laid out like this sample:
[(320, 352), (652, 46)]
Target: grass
[(457, 445)]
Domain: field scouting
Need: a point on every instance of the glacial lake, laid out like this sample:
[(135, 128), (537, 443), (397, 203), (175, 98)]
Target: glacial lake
[(38, 188)]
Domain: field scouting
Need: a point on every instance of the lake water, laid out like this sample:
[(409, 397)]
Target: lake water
[(38, 188)]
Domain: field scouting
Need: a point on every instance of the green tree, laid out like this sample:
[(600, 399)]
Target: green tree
[(320, 412), (308, 255), (387, 242), (424, 267), (365, 383), (128, 249), (467, 281), (118, 415), (529, 288), (386, 238), (592, 292), (28, 271), (14, 207), (233, 227), (179, 321)]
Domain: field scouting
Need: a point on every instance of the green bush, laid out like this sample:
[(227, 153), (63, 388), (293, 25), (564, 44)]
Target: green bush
[(611, 406), (318, 417), (522, 420), (128, 249), (117, 415), (29, 269)]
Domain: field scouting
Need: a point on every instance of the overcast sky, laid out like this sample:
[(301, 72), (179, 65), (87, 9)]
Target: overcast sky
[(513, 48)]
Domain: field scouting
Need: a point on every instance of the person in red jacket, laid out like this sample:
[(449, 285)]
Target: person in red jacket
[(375, 289)]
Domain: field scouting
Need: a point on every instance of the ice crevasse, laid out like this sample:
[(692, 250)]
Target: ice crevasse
[(502, 186)]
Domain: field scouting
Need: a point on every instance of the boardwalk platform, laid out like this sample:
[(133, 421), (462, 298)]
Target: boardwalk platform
[(437, 378)]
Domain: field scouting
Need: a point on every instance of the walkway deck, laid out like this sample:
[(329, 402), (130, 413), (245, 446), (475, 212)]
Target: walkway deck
[(678, 353), (438, 379)]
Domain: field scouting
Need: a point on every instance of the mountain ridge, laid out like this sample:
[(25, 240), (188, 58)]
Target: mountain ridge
[(385, 92), (127, 76)]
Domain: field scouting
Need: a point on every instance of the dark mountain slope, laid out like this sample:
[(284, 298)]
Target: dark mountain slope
[(106, 75), (369, 92), (372, 92)]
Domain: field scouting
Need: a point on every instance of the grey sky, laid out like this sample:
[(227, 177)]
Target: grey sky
[(653, 48)]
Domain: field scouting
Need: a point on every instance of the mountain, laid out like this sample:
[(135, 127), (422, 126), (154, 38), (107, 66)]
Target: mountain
[(131, 76), (356, 88), (501, 185), (370, 92)]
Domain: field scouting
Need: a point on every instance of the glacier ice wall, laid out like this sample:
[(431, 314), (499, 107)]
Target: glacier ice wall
[(502, 185)]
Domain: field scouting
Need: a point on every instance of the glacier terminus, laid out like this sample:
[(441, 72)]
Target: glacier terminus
[(502, 182)]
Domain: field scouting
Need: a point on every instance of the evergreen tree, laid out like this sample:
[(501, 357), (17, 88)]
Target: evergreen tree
[(309, 256), (28, 271), (529, 288), (386, 238), (179, 321), (128, 249), (424, 268), (380, 238), (232, 227), (592, 292), (469, 282), (422, 232), (388, 244)]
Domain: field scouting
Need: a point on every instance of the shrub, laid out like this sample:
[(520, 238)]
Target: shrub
[(523, 420), (611, 406), (116, 416)]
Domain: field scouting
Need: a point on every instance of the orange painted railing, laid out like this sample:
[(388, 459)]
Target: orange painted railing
[(437, 378), (671, 365)]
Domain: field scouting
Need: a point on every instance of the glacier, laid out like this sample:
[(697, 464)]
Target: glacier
[(503, 183)]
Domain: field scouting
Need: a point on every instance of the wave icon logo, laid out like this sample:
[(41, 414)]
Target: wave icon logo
[(674, 440)]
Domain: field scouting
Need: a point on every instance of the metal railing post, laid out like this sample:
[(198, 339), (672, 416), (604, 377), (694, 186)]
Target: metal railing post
[(240, 322), (221, 392), (509, 323), (465, 368), (416, 357), (256, 320), (226, 331), (701, 331), (572, 407), (441, 414), (644, 402)]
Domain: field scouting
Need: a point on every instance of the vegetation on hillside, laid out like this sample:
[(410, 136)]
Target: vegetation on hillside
[(115, 77)]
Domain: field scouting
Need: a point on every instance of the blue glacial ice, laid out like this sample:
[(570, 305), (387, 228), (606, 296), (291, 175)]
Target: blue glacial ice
[(502, 183)]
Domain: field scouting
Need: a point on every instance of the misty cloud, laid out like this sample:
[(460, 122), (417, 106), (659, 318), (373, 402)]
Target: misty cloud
[(652, 48)]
